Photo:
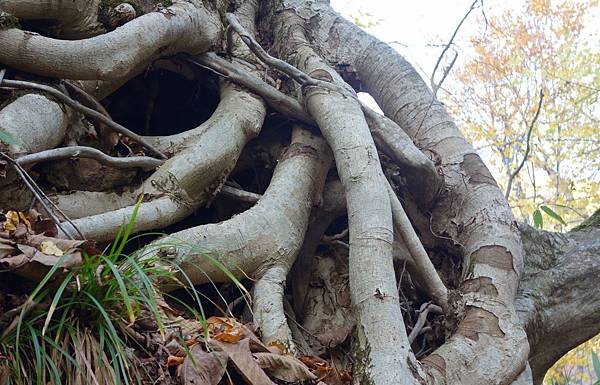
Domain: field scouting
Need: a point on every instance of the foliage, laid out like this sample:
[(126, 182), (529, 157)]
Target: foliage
[(578, 367), (538, 221), (77, 326), (545, 47)]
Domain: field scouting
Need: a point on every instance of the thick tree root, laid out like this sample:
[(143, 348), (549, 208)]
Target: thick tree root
[(117, 53)]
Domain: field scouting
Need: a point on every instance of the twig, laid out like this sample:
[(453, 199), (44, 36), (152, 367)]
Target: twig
[(42, 198), (144, 162), (434, 86), (430, 279), (85, 98), (279, 64), (445, 74), (423, 312), (241, 195), (84, 110), (335, 237), (298, 75), (527, 146), (273, 97)]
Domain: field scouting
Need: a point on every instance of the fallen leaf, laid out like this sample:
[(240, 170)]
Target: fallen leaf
[(175, 360), (284, 367), (203, 368), (7, 247), (277, 347), (317, 366), (226, 329), (11, 221), (175, 348), (241, 357), (48, 247), (231, 336)]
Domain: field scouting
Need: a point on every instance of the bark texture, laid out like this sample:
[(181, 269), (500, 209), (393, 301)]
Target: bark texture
[(237, 126)]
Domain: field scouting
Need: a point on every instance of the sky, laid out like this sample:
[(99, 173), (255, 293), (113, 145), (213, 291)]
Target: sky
[(420, 29), (416, 27)]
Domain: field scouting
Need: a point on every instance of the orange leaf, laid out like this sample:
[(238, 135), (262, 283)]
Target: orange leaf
[(175, 361)]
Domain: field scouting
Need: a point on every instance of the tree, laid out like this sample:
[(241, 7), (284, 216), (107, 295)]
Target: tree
[(549, 160), (407, 186)]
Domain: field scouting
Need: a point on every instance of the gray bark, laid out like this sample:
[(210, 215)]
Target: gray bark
[(505, 310)]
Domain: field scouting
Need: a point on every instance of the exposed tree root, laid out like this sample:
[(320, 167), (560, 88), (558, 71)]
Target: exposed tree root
[(45, 119), (263, 241), (117, 53), (381, 356), (143, 162), (459, 242)]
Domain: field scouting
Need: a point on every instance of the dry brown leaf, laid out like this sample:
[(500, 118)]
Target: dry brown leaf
[(231, 336), (175, 360), (7, 247), (277, 347), (175, 349), (284, 367), (205, 368), (226, 329), (11, 221), (244, 362), (48, 247), (317, 366)]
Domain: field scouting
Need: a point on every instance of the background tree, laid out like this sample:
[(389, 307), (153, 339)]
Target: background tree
[(234, 127), (546, 48)]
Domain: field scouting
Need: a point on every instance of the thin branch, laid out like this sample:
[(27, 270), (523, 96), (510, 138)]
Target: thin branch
[(239, 194), (84, 110), (434, 86), (527, 148), (144, 162), (273, 97), (298, 75), (41, 197), (445, 74), (335, 237), (429, 277), (419, 325), (274, 62)]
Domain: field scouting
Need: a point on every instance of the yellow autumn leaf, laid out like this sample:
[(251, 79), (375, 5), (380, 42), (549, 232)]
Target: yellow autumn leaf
[(23, 219), (48, 247), (11, 222)]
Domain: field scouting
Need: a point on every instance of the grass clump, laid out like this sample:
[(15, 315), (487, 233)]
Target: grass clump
[(82, 326)]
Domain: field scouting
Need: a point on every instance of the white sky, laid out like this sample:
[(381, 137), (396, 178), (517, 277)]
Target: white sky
[(416, 24), (420, 25)]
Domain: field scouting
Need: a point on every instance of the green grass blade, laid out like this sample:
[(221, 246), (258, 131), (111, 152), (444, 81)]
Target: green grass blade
[(552, 214), (55, 300), (122, 288), (129, 227), (37, 349)]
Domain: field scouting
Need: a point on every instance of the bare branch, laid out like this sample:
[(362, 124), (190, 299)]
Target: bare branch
[(83, 109), (274, 62), (144, 162), (42, 198), (235, 73), (423, 313), (512, 176), (240, 195), (434, 86), (428, 276)]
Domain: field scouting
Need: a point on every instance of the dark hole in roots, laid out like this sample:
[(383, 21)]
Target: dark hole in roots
[(161, 102)]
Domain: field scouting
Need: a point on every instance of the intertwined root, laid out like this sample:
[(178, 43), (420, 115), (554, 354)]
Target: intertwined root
[(449, 201)]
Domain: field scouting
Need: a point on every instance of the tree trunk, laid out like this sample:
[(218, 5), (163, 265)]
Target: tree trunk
[(256, 155)]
